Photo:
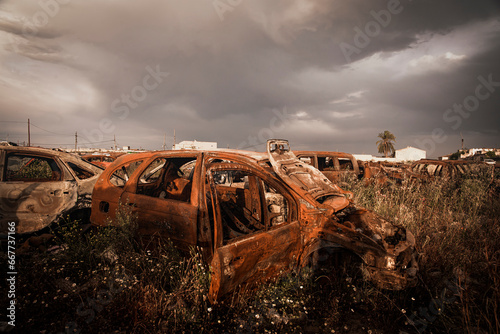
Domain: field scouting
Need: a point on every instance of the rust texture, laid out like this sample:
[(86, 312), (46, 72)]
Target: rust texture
[(38, 186), (430, 169), (254, 216)]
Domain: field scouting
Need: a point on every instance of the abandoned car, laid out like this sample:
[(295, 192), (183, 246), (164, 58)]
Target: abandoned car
[(254, 216), (38, 186), (431, 169), (332, 164), (384, 172)]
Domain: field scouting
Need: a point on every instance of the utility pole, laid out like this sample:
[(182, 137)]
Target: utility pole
[(114, 139), (29, 135), (164, 140), (76, 140), (174, 139)]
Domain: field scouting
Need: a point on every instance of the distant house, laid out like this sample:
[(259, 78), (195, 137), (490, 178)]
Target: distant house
[(195, 145), (478, 151), (445, 157), (410, 154)]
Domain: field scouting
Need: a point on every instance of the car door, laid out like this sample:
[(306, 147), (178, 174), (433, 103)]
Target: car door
[(35, 189), (161, 196), (256, 232), (108, 191)]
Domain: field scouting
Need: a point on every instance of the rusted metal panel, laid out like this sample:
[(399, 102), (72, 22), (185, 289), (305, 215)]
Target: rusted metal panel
[(430, 169), (254, 259)]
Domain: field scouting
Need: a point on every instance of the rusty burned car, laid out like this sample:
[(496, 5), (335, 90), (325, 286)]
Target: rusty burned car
[(254, 216), (431, 169), (39, 186), (334, 165)]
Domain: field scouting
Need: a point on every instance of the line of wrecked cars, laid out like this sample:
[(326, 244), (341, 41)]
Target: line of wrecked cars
[(337, 166), (254, 216)]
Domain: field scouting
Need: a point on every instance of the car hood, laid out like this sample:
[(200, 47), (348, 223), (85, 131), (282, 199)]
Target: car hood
[(303, 177)]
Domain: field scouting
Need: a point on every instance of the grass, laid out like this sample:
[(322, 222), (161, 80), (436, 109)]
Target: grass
[(104, 281), (456, 225)]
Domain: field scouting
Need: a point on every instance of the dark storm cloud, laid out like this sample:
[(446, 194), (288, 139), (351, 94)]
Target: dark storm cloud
[(89, 66), (400, 22)]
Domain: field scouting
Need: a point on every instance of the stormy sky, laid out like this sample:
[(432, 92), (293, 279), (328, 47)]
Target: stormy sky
[(326, 75)]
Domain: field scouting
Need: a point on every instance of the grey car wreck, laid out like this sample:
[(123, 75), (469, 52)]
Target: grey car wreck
[(38, 186), (254, 216)]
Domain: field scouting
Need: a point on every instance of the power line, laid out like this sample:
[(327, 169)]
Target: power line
[(51, 144), (96, 142), (59, 134)]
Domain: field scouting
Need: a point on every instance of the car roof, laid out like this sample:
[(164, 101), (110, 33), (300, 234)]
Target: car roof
[(257, 157)]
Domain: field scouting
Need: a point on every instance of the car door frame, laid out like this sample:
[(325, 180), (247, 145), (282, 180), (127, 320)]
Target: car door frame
[(167, 218), (257, 256)]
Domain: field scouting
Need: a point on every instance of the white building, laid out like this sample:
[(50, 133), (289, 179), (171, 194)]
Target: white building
[(410, 154), (369, 157), (405, 154), (364, 157), (195, 145)]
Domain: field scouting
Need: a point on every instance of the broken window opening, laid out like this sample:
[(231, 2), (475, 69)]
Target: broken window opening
[(121, 175), (280, 147), (345, 164), (80, 172), (328, 164), (32, 169), (307, 160), (168, 179)]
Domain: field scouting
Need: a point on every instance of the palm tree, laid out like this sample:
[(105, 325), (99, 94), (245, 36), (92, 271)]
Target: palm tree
[(385, 144)]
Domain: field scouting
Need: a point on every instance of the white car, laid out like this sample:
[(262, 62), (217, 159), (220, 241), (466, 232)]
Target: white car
[(38, 186)]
